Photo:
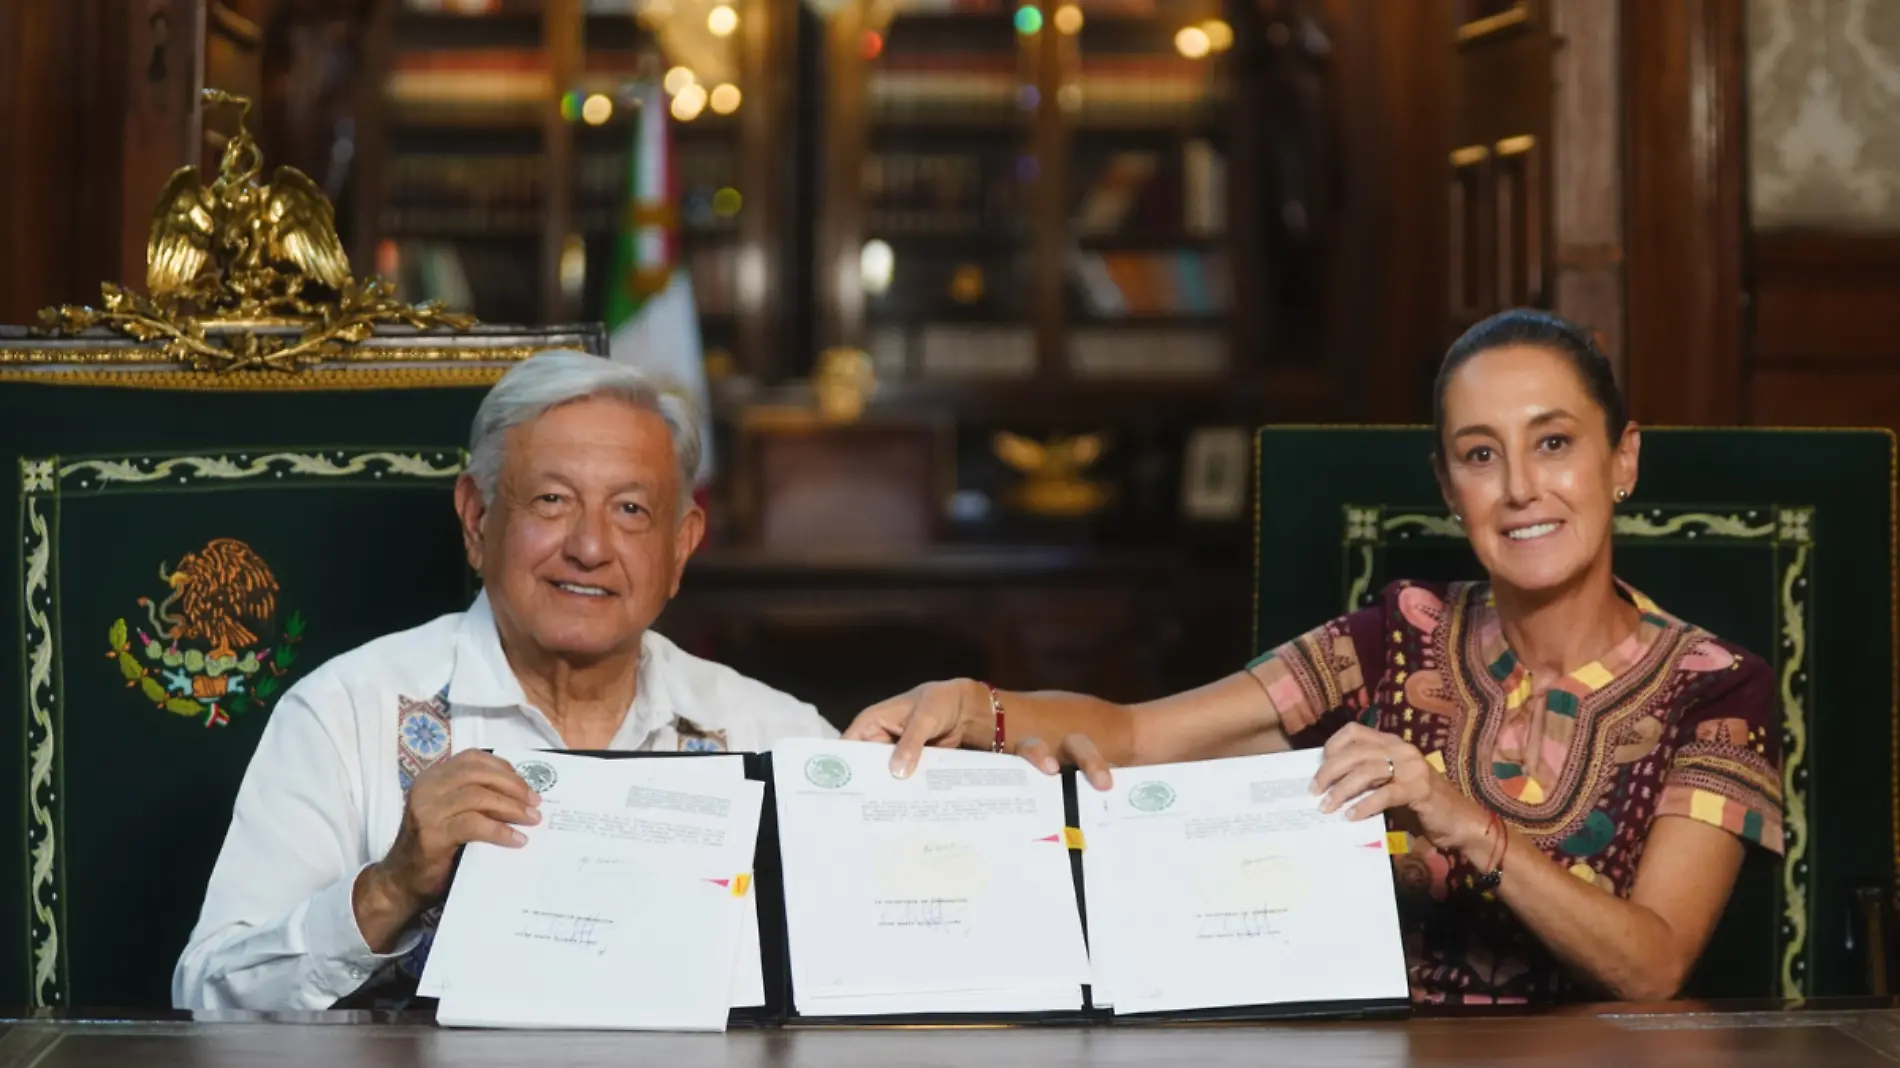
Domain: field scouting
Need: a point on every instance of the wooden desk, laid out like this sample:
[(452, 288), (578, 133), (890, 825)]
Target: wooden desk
[(1622, 1036)]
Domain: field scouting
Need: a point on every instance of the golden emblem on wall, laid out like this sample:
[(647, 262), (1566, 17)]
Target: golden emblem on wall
[(1052, 483), (244, 275)]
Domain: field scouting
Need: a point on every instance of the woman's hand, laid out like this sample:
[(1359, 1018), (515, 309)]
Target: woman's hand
[(1392, 773), (942, 714), (958, 713)]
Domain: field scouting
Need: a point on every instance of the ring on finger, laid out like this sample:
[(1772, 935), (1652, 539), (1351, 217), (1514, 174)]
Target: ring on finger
[(1391, 770)]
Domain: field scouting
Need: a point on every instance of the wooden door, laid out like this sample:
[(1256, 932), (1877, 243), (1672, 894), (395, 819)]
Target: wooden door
[(1499, 174)]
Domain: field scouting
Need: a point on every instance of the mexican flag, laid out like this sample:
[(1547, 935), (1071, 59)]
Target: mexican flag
[(652, 321)]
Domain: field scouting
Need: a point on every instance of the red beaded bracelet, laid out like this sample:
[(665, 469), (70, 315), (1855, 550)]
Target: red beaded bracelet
[(996, 709)]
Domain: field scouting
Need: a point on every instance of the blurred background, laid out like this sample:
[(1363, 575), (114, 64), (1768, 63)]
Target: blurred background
[(983, 298)]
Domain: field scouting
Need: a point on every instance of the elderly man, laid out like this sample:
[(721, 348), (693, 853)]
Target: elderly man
[(577, 511)]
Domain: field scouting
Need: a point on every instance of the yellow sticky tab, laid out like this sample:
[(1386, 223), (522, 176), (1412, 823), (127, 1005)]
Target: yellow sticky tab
[(1072, 837), (1398, 843), (740, 884)]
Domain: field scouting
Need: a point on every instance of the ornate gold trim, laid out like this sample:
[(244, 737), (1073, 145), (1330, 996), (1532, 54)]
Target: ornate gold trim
[(339, 378), (1439, 525), (1690, 524), (98, 475), (126, 357), (42, 698), (1794, 799), (1367, 529), (1253, 625), (44, 481)]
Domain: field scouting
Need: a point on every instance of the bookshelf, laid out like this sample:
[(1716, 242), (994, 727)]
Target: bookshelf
[(1037, 196), (497, 162)]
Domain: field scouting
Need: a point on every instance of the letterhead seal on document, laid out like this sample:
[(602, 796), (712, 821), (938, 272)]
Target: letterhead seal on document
[(1152, 796), (827, 772), (539, 776)]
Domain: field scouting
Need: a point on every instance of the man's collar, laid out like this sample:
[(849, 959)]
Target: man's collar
[(482, 678)]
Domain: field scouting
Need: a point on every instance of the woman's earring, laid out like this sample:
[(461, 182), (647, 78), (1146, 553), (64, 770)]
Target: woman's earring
[(1622, 495), (1458, 519)]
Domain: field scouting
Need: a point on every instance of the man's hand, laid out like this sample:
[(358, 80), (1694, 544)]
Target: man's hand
[(937, 713), (470, 797)]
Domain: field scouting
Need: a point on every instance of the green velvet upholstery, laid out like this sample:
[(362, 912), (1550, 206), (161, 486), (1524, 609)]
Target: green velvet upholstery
[(1780, 540), (120, 780)]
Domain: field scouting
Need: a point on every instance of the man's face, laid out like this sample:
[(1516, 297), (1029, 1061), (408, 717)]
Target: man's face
[(585, 541)]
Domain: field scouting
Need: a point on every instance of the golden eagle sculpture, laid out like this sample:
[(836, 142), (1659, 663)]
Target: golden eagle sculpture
[(221, 592), (242, 275), (1052, 483)]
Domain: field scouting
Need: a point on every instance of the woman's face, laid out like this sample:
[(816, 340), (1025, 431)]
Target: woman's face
[(1530, 466)]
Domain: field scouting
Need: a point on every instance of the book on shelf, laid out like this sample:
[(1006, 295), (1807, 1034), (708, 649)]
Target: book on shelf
[(962, 86), (976, 350), (486, 75), (1178, 282), (1163, 353), (1109, 198)]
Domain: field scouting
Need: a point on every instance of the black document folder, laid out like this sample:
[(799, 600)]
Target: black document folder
[(780, 1008)]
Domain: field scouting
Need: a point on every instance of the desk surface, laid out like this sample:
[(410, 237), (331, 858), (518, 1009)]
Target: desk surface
[(1838, 1036)]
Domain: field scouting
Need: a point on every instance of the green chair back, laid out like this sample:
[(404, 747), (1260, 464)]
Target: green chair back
[(1779, 540), (272, 527)]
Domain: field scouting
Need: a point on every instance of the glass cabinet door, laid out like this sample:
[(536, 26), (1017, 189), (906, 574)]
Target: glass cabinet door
[(1148, 280), (1018, 190), (927, 255)]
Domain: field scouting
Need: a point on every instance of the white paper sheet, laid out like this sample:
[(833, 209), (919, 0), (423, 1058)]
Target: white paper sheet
[(748, 973), (624, 910), (1220, 884), (948, 891)]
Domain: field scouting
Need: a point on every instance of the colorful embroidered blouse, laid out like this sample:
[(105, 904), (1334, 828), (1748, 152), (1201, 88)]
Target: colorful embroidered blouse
[(1672, 722)]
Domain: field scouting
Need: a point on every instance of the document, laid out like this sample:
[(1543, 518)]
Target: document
[(949, 891), (748, 973), (1220, 884), (626, 908)]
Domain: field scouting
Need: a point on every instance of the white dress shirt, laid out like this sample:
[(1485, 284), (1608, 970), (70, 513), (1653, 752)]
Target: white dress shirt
[(322, 799)]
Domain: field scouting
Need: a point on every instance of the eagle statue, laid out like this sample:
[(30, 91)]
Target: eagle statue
[(237, 245), (1052, 473), (243, 276), (221, 592)]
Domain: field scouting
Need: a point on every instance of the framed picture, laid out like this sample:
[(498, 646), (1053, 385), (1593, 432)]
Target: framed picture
[(1214, 474)]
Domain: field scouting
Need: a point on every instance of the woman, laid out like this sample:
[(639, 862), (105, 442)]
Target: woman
[(1580, 769)]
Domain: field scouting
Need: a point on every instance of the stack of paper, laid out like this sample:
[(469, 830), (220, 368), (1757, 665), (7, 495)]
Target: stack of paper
[(631, 905), (1219, 884), (946, 892)]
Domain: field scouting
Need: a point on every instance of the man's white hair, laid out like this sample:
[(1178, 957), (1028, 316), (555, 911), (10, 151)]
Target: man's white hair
[(550, 379)]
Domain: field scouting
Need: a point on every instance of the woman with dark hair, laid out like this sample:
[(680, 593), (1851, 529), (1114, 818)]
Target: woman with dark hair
[(1580, 769)]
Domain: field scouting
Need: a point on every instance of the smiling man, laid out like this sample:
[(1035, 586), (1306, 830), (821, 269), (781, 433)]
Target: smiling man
[(577, 511)]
